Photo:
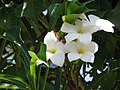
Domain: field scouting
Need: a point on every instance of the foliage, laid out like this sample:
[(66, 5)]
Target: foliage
[(23, 26)]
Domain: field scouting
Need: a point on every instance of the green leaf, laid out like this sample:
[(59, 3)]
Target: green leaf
[(8, 18), (42, 52), (74, 8), (55, 11), (13, 35), (47, 86), (70, 18), (32, 67), (102, 7), (113, 16), (10, 86), (15, 80), (32, 8), (34, 60)]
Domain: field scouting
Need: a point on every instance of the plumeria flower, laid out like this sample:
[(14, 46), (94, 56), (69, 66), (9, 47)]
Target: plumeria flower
[(78, 31), (78, 50), (55, 49), (101, 23)]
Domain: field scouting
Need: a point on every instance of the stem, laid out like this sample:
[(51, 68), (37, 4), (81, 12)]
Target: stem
[(45, 78), (39, 72), (2, 48)]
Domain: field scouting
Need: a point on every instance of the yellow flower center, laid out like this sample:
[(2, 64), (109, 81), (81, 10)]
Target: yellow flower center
[(80, 51), (52, 50), (79, 30)]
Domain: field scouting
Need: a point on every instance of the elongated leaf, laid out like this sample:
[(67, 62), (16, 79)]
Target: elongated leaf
[(55, 11), (15, 80), (47, 87), (74, 8), (113, 16), (34, 60), (13, 35), (42, 52), (32, 8)]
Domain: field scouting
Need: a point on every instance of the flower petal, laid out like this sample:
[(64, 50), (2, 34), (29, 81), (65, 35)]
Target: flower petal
[(68, 28), (73, 56), (105, 25), (58, 58), (50, 40), (93, 18), (49, 55), (86, 23), (61, 46), (78, 23), (88, 57), (83, 17), (72, 46), (71, 36), (85, 38), (92, 47), (38, 62)]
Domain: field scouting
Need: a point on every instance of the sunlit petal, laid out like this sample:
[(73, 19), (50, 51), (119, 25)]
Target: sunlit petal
[(71, 36), (85, 38), (68, 28), (73, 56), (58, 58), (105, 25), (88, 57)]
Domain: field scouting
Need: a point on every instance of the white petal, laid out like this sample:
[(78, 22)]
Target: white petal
[(105, 25), (93, 18), (78, 23), (88, 57), (49, 55), (94, 29), (73, 56), (50, 40), (61, 46), (85, 38), (71, 36), (68, 28), (90, 29), (92, 47), (86, 23), (72, 46), (38, 62), (58, 58), (83, 16)]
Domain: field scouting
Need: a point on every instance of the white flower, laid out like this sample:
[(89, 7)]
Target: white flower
[(101, 23), (55, 49), (78, 31), (78, 50)]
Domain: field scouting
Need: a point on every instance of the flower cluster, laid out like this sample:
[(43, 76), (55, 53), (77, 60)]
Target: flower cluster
[(79, 44)]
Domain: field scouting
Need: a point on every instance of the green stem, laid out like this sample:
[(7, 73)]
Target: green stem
[(39, 72), (45, 78), (2, 48)]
